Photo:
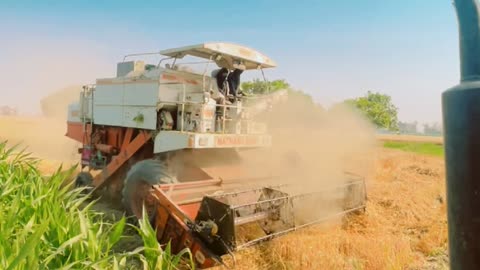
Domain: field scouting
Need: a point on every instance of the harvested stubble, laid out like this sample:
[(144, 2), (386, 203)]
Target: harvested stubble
[(404, 226)]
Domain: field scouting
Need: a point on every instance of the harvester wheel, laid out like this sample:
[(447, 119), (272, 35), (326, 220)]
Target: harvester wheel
[(84, 179), (138, 183)]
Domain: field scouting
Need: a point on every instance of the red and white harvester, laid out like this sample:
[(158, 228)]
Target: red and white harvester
[(169, 139)]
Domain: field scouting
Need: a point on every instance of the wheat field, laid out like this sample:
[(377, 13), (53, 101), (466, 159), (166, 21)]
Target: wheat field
[(404, 226)]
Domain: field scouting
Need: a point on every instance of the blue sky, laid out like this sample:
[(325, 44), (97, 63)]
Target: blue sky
[(330, 49)]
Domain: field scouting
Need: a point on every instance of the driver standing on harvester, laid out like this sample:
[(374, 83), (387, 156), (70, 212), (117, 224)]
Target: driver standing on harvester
[(228, 82)]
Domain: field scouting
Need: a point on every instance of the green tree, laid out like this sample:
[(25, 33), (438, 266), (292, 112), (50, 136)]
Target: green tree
[(261, 87), (258, 86), (378, 108)]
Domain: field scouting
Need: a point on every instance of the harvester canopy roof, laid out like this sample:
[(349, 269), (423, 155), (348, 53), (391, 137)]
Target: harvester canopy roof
[(227, 55)]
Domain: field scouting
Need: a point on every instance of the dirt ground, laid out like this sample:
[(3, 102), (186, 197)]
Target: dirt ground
[(404, 226)]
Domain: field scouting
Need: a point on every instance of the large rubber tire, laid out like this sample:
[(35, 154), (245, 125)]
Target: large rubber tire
[(140, 178), (83, 179)]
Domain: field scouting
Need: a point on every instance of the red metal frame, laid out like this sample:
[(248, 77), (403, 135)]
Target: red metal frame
[(128, 149), (171, 224), (75, 130)]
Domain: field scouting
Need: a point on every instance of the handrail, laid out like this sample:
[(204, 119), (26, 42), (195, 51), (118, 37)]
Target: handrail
[(183, 107), (139, 54), (223, 121)]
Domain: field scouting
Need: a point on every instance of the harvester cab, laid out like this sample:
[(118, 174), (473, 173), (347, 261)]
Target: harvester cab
[(168, 139)]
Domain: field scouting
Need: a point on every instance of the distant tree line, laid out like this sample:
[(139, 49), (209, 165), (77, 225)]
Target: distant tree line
[(408, 128), (433, 129), (377, 107)]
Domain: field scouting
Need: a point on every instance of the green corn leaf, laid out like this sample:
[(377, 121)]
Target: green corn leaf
[(117, 231), (29, 246), (65, 245)]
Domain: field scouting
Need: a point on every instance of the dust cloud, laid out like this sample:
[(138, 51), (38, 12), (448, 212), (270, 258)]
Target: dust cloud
[(39, 84), (312, 150), (44, 136)]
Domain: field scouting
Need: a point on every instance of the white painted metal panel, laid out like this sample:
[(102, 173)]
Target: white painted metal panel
[(204, 141), (74, 112), (108, 94), (108, 115), (140, 105), (131, 104), (170, 140), (141, 94), (143, 117), (243, 140), (175, 140), (169, 92), (108, 104)]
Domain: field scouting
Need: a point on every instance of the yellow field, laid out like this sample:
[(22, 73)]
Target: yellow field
[(404, 226)]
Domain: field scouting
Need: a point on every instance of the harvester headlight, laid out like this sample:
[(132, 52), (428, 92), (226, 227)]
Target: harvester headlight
[(207, 228), (214, 230), (199, 257)]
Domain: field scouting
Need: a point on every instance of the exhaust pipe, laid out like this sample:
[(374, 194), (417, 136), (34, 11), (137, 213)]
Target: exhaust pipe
[(469, 30), (461, 120)]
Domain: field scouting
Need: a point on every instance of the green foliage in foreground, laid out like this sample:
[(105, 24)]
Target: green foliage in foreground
[(425, 148), (45, 224)]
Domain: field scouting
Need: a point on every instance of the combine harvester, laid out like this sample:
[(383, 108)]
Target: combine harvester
[(167, 139)]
